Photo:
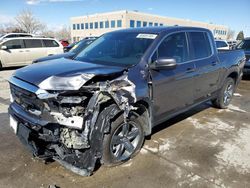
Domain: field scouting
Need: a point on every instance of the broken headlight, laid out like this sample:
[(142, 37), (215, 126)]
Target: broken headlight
[(65, 83)]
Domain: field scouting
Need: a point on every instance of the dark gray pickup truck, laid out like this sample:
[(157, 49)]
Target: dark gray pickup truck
[(98, 107), (245, 45)]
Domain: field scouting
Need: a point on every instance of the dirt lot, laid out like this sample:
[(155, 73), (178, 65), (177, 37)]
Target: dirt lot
[(206, 147)]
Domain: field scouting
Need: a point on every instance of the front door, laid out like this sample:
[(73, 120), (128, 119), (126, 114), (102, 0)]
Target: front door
[(14, 55), (172, 89)]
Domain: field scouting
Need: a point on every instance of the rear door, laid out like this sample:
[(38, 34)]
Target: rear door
[(34, 49), (172, 89), (207, 64), (52, 47), (14, 55)]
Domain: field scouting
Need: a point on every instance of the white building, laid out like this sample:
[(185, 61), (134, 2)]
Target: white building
[(97, 24)]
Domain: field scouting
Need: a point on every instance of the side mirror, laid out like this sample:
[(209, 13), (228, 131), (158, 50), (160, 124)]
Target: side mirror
[(4, 47), (164, 63)]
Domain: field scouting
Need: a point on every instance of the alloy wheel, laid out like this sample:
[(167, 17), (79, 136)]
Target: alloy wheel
[(125, 140)]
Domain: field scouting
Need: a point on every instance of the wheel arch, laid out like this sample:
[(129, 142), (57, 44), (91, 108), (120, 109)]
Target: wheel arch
[(234, 75), (144, 110)]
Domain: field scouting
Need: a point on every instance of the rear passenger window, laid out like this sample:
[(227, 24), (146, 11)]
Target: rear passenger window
[(200, 45), (14, 44), (33, 43), (174, 46), (50, 43)]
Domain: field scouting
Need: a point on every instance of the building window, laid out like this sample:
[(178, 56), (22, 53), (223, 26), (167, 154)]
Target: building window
[(138, 24), (119, 23), (161, 24), (112, 23), (150, 24), (156, 24), (132, 23), (96, 25), (144, 24), (91, 25), (106, 24), (82, 26), (74, 26), (101, 24), (86, 25), (78, 26)]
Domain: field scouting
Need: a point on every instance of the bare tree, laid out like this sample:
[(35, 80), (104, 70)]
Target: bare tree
[(63, 33), (9, 28), (27, 22), (230, 34)]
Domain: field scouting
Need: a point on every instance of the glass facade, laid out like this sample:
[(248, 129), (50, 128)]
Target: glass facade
[(119, 23), (96, 25), (106, 24), (101, 24), (91, 25), (220, 32), (144, 24), (138, 24), (112, 23), (132, 23)]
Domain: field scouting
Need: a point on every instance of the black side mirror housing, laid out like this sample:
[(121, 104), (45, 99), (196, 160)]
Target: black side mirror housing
[(164, 63)]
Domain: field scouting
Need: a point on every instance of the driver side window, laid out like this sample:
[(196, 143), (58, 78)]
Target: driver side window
[(174, 46), (14, 44)]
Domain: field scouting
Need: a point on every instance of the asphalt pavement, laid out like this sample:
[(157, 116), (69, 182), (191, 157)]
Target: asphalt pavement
[(205, 147)]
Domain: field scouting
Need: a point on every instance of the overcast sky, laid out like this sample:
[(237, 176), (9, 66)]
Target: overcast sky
[(56, 13)]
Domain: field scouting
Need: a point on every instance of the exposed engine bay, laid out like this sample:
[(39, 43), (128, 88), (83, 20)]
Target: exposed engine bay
[(68, 126)]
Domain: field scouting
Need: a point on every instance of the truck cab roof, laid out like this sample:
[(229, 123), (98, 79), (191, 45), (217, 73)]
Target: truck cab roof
[(158, 30)]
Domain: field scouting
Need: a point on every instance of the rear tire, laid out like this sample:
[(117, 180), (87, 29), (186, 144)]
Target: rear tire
[(124, 140), (225, 94)]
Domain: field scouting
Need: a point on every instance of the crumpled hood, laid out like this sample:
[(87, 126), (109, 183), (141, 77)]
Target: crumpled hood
[(37, 73)]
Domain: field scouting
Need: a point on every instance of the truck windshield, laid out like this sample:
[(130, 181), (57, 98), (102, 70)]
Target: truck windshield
[(80, 46), (245, 45), (121, 48)]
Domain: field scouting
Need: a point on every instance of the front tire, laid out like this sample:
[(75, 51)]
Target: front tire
[(225, 94), (124, 140)]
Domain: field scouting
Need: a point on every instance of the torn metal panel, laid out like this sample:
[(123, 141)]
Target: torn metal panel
[(65, 83), (73, 122)]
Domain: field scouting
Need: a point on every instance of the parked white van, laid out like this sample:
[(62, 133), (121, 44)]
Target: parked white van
[(23, 50), (14, 35)]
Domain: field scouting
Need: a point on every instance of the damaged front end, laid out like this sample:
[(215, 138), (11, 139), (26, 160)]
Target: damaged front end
[(58, 119)]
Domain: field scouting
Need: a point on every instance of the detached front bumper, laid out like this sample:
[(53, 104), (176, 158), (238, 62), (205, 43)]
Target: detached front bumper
[(42, 139)]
